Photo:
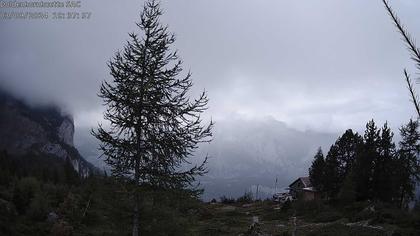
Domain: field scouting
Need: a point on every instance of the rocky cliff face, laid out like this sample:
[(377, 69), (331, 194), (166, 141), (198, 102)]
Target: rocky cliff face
[(24, 130)]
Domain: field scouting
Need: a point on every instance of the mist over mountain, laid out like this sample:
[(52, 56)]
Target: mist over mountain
[(39, 131), (244, 153), (88, 147), (247, 153)]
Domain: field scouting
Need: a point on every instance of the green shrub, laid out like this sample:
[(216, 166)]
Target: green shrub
[(38, 208), (24, 191), (308, 208), (72, 208)]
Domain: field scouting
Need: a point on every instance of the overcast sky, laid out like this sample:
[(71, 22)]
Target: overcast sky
[(325, 65)]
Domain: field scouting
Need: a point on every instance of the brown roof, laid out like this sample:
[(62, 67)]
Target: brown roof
[(305, 180)]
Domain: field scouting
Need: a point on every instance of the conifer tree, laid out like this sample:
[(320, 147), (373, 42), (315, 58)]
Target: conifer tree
[(347, 146), (347, 192), (332, 173), (340, 160), (384, 164), (407, 170), (410, 145), (154, 125), (365, 161), (317, 171)]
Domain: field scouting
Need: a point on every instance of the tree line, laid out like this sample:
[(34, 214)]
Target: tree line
[(370, 166)]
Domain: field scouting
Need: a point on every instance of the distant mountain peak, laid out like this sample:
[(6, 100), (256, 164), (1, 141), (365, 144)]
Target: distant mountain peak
[(40, 130)]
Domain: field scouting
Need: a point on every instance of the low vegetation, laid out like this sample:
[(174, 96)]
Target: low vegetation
[(305, 218)]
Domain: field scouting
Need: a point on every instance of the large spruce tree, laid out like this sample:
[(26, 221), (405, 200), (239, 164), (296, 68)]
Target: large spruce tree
[(317, 171), (346, 148), (384, 164), (340, 160), (365, 161), (408, 163), (332, 181), (154, 125)]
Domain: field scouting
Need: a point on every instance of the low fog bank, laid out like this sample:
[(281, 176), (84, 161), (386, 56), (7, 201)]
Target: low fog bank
[(249, 153), (244, 154)]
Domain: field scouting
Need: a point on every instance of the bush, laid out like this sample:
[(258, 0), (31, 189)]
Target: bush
[(71, 208), (310, 208), (23, 193), (38, 208)]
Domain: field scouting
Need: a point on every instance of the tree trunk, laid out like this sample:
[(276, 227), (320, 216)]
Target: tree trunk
[(402, 199), (136, 214)]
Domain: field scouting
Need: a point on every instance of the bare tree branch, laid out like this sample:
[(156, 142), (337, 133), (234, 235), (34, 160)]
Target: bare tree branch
[(414, 97), (412, 48)]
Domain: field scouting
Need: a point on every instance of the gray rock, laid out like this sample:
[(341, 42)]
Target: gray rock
[(66, 131), (42, 130)]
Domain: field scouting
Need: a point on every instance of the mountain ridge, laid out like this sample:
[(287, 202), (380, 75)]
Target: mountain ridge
[(41, 130)]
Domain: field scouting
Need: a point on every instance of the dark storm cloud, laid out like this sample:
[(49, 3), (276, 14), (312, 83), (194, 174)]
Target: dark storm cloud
[(324, 65)]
